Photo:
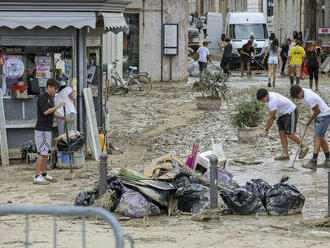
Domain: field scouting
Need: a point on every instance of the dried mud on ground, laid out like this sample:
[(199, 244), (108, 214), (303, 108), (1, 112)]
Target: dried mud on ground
[(166, 121)]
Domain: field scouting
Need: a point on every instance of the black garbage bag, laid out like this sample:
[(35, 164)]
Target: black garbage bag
[(242, 201), (258, 187), (85, 198), (75, 143), (284, 199), (114, 183), (28, 147), (183, 179), (193, 198)]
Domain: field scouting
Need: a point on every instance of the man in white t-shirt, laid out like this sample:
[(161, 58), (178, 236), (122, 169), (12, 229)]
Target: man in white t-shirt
[(203, 56), (286, 122), (321, 116)]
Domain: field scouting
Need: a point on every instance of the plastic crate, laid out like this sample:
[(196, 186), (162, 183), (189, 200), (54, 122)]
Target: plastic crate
[(77, 158)]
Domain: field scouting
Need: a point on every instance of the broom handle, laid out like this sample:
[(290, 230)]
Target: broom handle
[(301, 141)]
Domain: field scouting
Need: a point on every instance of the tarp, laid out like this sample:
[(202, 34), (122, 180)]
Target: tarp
[(29, 20)]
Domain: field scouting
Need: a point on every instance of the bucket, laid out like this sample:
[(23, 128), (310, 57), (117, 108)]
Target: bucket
[(77, 158)]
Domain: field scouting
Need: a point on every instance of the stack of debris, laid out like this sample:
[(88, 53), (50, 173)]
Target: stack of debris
[(169, 185)]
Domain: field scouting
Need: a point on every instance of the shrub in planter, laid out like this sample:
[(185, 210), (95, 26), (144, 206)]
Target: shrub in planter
[(212, 91), (248, 115)]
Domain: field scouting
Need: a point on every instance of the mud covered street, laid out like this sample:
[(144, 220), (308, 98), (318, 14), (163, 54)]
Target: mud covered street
[(167, 121)]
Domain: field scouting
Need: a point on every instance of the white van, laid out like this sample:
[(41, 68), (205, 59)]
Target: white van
[(240, 26)]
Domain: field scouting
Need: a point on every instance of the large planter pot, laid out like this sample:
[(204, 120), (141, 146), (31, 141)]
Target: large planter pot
[(247, 134), (204, 103)]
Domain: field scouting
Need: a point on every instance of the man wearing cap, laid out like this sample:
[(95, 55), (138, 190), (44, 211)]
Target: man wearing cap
[(203, 56)]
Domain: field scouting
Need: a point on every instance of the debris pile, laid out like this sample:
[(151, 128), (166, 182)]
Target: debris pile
[(169, 185)]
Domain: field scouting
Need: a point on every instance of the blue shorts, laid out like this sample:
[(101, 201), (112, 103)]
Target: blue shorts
[(321, 126)]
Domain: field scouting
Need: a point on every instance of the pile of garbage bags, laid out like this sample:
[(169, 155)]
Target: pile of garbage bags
[(73, 144), (180, 188), (258, 197)]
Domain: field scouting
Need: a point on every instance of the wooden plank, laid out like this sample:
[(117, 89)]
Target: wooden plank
[(3, 134), (94, 140)]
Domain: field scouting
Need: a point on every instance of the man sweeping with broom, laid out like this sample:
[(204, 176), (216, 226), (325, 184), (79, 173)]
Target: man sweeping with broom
[(321, 116), (286, 122)]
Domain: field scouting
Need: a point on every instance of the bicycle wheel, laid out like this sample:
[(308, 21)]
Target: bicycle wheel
[(140, 85), (115, 88)]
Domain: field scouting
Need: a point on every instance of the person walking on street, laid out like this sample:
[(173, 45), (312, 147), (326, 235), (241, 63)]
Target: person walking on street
[(190, 19), (285, 54), (199, 25), (246, 55), (313, 64), (227, 49), (296, 56), (43, 133), (321, 117), (205, 29), (203, 56), (273, 60), (286, 122)]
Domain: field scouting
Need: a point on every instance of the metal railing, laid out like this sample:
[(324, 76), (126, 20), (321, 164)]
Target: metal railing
[(67, 211)]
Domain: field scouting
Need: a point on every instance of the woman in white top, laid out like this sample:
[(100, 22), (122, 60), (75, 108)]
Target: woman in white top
[(273, 60), (67, 95)]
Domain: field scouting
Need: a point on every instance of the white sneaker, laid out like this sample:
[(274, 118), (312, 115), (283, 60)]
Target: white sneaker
[(49, 178), (40, 180)]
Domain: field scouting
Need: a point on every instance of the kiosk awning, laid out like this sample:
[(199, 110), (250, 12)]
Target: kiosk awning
[(29, 20), (114, 22)]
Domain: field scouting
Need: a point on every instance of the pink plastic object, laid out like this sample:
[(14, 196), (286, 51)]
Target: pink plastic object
[(191, 159)]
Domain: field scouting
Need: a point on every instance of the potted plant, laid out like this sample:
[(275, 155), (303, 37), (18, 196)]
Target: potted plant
[(212, 91), (248, 115)]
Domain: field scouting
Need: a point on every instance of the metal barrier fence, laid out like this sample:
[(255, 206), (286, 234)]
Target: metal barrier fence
[(67, 211)]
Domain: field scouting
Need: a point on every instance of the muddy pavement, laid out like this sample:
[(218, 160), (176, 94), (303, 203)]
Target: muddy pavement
[(166, 121)]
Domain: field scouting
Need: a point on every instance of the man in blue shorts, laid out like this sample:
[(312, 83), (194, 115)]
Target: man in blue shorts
[(321, 116)]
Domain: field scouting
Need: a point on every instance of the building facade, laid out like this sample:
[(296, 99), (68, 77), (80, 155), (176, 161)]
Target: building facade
[(143, 46), (306, 16)]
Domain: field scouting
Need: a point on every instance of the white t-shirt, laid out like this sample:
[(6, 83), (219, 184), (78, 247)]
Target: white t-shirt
[(203, 52), (312, 99), (280, 103)]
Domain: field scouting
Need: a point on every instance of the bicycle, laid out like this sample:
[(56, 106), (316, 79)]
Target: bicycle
[(137, 83)]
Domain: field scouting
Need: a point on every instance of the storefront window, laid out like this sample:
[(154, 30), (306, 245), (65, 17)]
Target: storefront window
[(131, 43), (31, 67)]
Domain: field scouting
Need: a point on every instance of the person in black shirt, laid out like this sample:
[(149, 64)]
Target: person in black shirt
[(313, 62), (43, 133), (227, 49), (285, 54), (246, 55)]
